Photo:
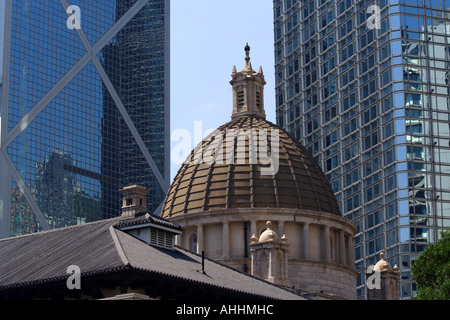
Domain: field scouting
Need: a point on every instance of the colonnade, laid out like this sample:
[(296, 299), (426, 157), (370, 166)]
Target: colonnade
[(345, 248)]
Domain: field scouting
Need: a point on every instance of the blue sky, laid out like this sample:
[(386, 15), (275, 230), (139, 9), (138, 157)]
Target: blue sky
[(207, 38)]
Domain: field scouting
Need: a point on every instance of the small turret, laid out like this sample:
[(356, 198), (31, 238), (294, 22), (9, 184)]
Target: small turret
[(248, 90), (383, 281), (269, 257)]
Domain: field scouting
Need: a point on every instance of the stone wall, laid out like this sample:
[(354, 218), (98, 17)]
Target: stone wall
[(323, 277)]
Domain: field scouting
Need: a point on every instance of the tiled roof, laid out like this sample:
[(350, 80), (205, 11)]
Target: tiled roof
[(147, 218), (101, 248), (216, 185)]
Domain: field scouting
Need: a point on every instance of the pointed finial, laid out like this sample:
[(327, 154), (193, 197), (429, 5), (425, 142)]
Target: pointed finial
[(260, 70), (247, 56), (247, 48), (234, 71)]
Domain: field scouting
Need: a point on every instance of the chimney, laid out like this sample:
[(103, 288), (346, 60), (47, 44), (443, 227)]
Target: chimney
[(134, 201)]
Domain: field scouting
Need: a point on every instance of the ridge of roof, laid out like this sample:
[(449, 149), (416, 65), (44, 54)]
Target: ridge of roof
[(40, 233), (145, 218), (118, 246), (121, 223)]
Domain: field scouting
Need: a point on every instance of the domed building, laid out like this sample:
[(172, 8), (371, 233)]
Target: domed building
[(252, 197)]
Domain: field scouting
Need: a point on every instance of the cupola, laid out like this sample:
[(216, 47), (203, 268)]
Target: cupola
[(149, 228), (248, 90)]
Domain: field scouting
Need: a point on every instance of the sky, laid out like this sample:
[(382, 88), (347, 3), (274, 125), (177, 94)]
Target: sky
[(207, 38)]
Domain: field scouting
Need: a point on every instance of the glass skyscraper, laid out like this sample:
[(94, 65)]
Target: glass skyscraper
[(365, 87), (84, 109)]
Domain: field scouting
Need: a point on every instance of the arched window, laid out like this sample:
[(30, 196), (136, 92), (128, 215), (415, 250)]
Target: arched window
[(258, 100), (240, 99)]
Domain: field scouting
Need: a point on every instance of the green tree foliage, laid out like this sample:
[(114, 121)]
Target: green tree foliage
[(431, 271)]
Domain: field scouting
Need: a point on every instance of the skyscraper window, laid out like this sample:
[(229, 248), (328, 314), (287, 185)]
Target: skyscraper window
[(374, 112), (84, 109)]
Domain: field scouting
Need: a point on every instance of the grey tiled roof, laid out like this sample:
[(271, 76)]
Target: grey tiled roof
[(45, 256), (147, 218), (101, 248)]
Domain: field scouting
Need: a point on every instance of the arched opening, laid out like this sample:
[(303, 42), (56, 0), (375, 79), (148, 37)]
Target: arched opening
[(240, 99)]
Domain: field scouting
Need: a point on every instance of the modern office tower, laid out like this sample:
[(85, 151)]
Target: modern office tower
[(364, 86), (84, 109)]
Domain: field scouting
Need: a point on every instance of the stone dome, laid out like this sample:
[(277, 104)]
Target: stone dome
[(298, 183)]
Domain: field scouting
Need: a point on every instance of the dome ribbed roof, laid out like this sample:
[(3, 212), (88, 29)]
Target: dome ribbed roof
[(299, 183)]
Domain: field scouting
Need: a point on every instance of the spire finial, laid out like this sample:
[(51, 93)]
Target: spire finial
[(247, 54)]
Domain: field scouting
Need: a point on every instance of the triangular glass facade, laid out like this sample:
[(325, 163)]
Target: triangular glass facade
[(86, 109)]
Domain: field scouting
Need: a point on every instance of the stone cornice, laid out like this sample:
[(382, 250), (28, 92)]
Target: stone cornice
[(265, 214)]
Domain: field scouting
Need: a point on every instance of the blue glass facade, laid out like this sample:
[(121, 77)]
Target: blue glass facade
[(372, 106), (84, 112)]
